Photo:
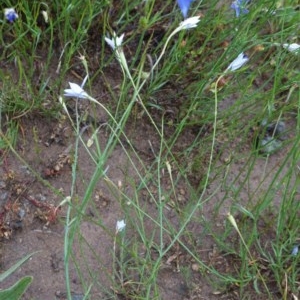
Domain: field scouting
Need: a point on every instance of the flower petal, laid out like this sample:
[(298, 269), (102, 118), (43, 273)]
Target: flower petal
[(115, 41), (75, 91), (189, 23), (10, 14), (240, 7), (119, 40), (295, 250), (292, 47), (110, 43), (120, 225), (238, 62), (184, 6)]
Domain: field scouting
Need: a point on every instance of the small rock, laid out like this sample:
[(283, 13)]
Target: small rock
[(77, 297), (271, 136), (180, 198), (16, 225), (21, 213), (182, 192), (40, 197), (3, 196), (2, 184), (269, 145), (195, 267), (276, 129)]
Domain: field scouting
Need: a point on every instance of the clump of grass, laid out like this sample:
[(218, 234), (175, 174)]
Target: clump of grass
[(187, 76)]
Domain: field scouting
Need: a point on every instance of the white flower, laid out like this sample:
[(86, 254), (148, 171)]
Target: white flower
[(75, 91), (45, 16), (238, 62), (120, 225), (115, 42), (189, 23), (291, 47), (295, 250)]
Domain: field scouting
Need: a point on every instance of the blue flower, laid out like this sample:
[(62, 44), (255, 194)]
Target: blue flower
[(239, 7), (10, 14), (184, 6)]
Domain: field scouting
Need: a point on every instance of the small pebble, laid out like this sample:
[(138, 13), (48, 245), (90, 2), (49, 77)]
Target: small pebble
[(195, 267), (41, 197), (182, 192), (21, 213), (273, 134), (18, 224), (180, 198), (276, 129), (269, 145), (3, 196), (2, 184), (77, 297)]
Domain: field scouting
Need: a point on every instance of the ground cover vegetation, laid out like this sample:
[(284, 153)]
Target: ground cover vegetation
[(155, 144)]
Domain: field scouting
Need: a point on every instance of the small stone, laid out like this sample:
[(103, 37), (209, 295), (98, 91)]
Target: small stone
[(195, 267), (77, 297), (40, 197), (269, 145), (180, 198), (2, 184), (3, 196), (276, 129), (56, 168), (16, 225), (58, 294), (21, 213)]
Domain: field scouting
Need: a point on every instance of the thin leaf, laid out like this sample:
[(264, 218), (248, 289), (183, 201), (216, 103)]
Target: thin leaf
[(17, 290), (14, 267)]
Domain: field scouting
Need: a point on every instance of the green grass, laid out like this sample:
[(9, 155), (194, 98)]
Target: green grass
[(38, 60), (18, 289)]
